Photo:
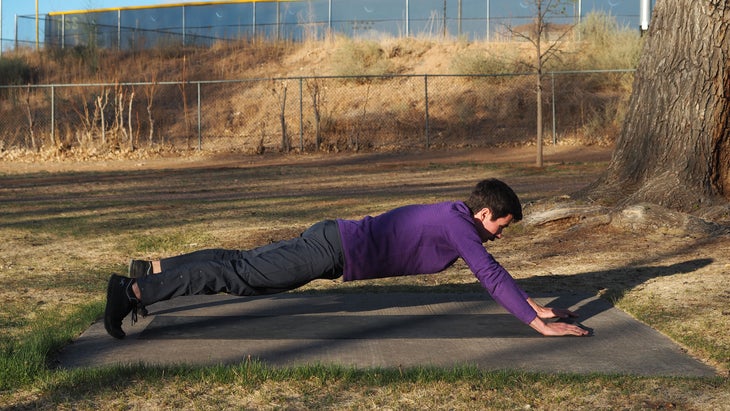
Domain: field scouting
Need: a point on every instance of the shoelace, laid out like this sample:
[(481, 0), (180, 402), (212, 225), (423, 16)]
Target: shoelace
[(138, 309), (136, 306), (134, 311)]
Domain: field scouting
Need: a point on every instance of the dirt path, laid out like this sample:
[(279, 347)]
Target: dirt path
[(557, 154)]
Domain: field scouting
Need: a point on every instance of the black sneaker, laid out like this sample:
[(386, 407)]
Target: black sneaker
[(139, 268), (120, 301)]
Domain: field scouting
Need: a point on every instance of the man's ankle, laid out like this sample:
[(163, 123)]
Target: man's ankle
[(137, 293)]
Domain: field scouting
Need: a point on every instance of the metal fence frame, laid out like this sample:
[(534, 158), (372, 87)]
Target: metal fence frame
[(425, 127), (459, 18)]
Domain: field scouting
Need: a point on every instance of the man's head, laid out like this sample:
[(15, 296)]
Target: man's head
[(494, 206), (496, 196)]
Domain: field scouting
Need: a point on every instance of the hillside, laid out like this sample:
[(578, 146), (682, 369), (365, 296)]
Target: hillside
[(258, 109), (331, 57)]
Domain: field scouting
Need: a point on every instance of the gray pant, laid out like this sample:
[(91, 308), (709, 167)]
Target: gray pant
[(270, 269)]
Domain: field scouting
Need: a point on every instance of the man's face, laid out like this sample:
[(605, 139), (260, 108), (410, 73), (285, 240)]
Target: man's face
[(490, 230)]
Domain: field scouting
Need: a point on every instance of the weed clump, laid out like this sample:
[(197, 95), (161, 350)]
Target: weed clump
[(16, 71), (361, 58), (605, 45)]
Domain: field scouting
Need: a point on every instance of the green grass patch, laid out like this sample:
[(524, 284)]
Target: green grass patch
[(252, 384), (26, 360)]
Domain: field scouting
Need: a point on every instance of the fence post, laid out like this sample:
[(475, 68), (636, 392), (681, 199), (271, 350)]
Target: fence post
[(488, 17), (119, 29), (301, 114), (278, 21), (53, 114), (200, 136), (183, 26), (425, 93), (408, 28)]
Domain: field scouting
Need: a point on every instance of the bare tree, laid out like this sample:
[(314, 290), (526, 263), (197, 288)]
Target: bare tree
[(129, 121), (101, 102), (183, 82), (315, 91), (281, 96), (149, 92), (546, 37), (123, 100), (119, 103), (29, 117), (674, 147), (85, 120)]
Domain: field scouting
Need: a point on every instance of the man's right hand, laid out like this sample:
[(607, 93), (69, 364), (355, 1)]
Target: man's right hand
[(555, 329)]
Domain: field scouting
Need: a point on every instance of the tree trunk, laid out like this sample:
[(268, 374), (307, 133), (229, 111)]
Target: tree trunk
[(674, 148)]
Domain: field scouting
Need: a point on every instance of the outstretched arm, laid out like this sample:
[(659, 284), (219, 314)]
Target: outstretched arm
[(554, 328)]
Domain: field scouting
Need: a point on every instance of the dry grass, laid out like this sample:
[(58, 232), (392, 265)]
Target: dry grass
[(63, 232), (333, 391)]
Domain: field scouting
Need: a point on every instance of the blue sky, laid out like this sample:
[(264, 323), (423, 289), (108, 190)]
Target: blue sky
[(10, 8)]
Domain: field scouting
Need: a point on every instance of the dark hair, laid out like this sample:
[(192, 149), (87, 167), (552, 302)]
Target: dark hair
[(498, 197)]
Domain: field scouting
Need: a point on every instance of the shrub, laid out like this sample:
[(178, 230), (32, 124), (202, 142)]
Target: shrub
[(606, 45), (15, 71), (358, 58), (495, 59)]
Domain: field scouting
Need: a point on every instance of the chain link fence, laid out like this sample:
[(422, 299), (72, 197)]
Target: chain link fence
[(206, 23), (314, 113)]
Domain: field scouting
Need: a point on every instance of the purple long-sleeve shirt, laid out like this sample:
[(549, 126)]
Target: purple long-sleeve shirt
[(426, 239)]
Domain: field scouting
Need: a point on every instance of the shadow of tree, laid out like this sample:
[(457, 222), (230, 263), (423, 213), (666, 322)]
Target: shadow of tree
[(568, 289), (611, 284)]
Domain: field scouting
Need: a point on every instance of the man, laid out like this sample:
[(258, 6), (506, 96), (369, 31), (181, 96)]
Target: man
[(415, 239)]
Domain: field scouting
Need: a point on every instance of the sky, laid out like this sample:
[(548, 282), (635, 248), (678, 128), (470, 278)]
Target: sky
[(11, 8)]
